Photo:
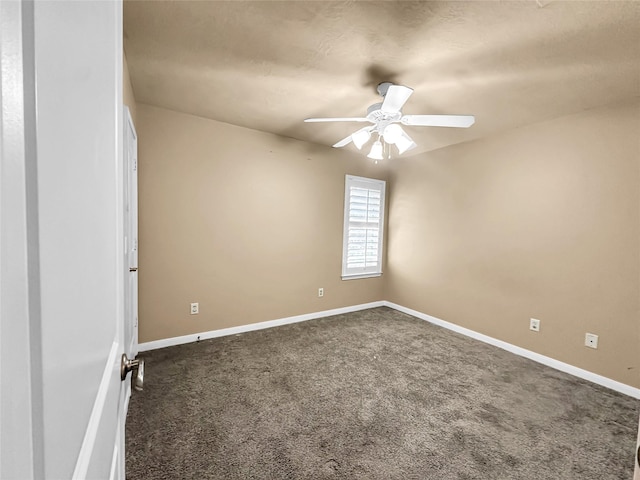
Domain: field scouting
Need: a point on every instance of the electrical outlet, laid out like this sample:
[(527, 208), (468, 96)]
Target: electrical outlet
[(591, 340), (321, 292), (534, 325), (195, 309)]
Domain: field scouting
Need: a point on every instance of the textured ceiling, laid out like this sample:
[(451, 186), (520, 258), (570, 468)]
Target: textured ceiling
[(268, 65)]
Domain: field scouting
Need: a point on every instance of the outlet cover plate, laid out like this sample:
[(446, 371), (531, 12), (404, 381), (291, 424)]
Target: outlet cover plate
[(195, 309), (591, 340), (534, 324), (321, 292)]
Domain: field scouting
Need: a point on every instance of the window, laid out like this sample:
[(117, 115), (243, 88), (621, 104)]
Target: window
[(363, 222)]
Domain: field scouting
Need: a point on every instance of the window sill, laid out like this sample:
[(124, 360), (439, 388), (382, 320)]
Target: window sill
[(361, 275)]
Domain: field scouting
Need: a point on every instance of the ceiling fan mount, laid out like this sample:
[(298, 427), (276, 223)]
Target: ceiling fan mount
[(383, 87), (384, 117)]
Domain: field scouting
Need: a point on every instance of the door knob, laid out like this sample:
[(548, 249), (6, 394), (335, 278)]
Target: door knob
[(127, 365)]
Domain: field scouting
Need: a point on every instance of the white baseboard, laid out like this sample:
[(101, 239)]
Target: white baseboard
[(195, 337), (523, 352)]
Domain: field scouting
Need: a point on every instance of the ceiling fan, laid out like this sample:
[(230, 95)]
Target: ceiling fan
[(386, 115)]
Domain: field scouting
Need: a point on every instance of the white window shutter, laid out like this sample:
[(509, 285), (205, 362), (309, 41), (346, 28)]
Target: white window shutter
[(363, 227)]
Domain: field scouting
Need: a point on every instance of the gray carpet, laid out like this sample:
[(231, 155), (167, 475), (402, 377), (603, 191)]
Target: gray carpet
[(375, 394)]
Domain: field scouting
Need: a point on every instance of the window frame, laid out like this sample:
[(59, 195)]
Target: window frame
[(371, 184)]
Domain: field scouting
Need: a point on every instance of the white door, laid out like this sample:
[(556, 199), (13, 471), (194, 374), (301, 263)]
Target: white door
[(62, 251), (131, 234)]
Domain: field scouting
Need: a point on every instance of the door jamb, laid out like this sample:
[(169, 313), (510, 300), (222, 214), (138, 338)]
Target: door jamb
[(21, 389)]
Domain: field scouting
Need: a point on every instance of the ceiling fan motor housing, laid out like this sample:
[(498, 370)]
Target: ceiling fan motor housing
[(381, 119)]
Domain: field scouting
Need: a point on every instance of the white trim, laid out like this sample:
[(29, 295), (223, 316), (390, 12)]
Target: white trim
[(21, 371), (369, 184), (536, 357), (523, 352), (86, 450), (113, 471), (127, 396), (362, 275), (169, 342), (118, 471)]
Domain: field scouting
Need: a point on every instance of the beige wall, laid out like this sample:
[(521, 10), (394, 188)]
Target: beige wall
[(128, 97), (539, 222), (246, 223)]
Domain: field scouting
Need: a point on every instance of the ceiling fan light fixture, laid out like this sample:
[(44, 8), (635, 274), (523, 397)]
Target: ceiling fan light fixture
[(386, 117), (404, 143), (376, 151), (360, 138), (392, 133)]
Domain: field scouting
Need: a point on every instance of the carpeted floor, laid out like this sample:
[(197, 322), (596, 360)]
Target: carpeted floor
[(375, 394)]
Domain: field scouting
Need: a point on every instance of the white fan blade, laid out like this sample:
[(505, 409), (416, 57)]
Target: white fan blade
[(461, 121), (347, 119), (395, 98), (343, 142)]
